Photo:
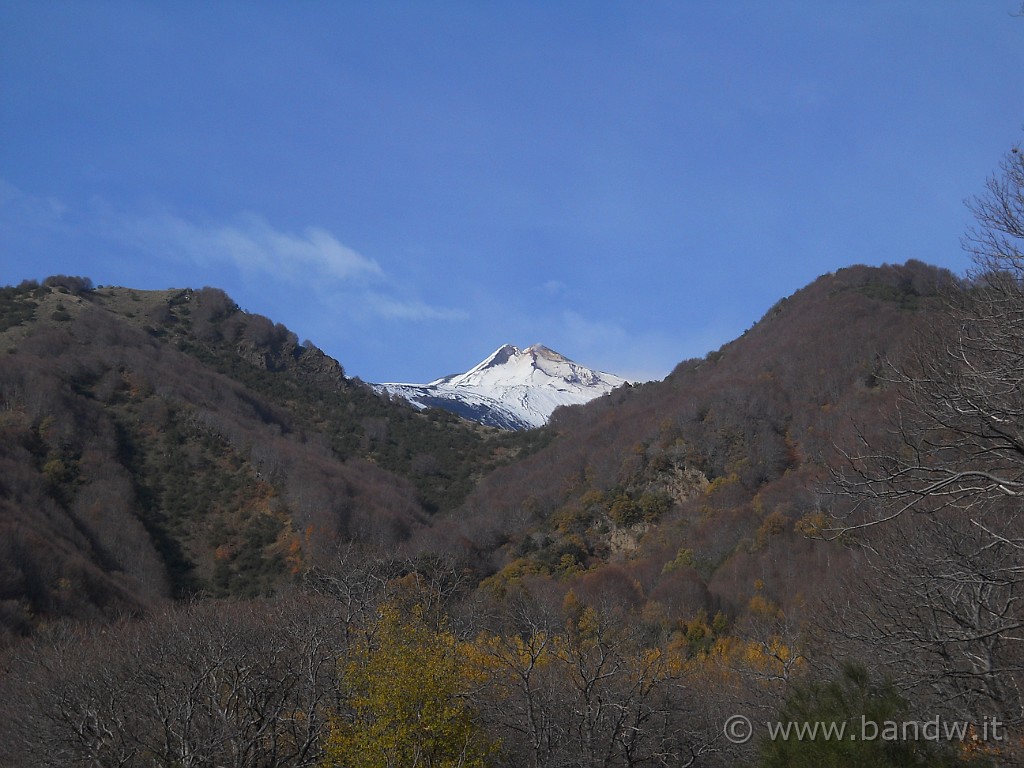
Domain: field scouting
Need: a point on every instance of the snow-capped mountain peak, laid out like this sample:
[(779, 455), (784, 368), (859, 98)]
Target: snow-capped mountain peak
[(511, 388)]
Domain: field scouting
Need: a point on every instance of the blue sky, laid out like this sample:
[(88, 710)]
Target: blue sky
[(412, 184)]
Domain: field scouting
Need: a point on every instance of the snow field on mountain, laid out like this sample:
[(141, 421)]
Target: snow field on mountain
[(512, 388)]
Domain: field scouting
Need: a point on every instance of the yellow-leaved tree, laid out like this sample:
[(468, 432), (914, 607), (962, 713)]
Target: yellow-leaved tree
[(406, 686)]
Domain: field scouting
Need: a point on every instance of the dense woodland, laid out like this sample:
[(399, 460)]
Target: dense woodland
[(217, 549)]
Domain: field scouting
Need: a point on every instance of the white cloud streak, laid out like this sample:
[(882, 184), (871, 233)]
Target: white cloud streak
[(259, 251), (18, 209), (608, 346), (389, 307), (252, 246), (553, 288)]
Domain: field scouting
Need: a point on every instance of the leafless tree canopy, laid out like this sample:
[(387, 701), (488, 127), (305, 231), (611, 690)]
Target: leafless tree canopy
[(938, 503)]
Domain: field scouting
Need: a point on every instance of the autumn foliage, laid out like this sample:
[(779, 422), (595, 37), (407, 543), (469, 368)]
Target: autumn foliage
[(216, 549)]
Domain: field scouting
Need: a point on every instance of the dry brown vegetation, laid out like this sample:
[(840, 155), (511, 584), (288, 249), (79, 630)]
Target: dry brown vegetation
[(159, 444), (217, 549)]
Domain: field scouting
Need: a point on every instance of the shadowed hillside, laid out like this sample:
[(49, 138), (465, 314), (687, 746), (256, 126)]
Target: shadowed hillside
[(166, 443), (617, 585), (694, 493)]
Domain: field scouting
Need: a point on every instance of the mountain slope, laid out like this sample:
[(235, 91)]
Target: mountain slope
[(166, 443), (691, 493), (512, 388), (160, 444)]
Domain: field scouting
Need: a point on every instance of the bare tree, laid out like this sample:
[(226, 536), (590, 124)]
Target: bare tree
[(960, 421), (937, 505), (587, 690), (245, 685)]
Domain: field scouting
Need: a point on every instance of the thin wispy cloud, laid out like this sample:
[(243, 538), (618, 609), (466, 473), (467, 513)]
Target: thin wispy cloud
[(311, 259), (601, 343), (553, 288), (390, 307), (251, 245), (591, 333), (19, 210)]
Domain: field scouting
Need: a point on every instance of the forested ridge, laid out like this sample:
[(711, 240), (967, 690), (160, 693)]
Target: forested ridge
[(168, 444), (219, 550)]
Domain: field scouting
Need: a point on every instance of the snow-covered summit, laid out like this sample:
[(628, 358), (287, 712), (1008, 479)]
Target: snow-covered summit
[(512, 388)]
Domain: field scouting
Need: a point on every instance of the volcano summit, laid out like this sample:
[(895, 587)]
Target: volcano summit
[(512, 389)]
